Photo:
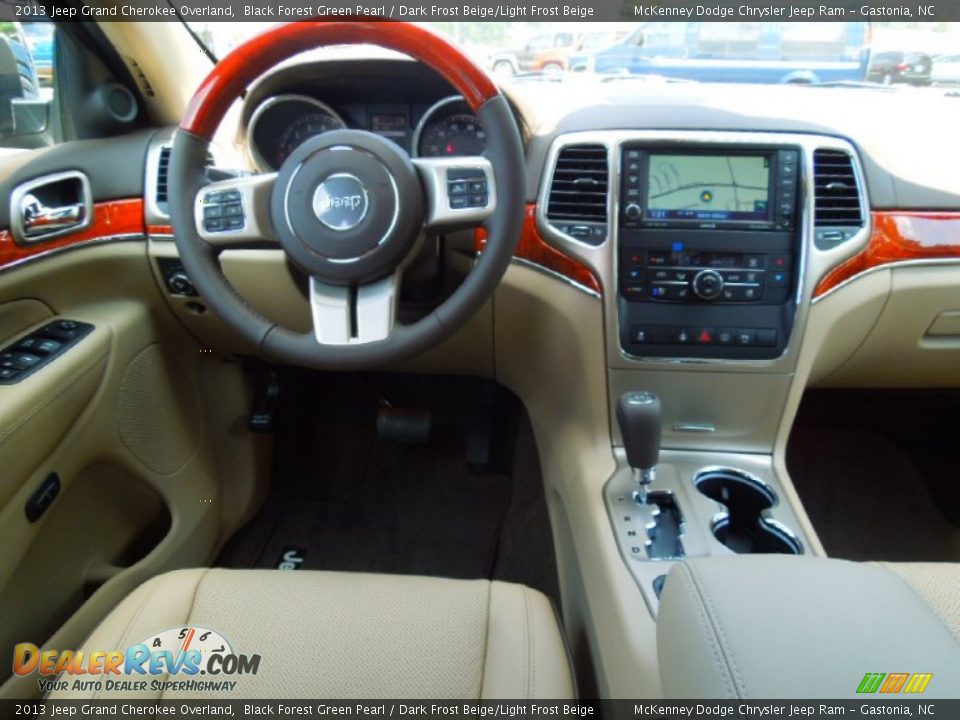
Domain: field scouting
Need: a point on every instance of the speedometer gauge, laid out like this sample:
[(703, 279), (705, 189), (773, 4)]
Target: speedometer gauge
[(282, 123), (449, 129), (455, 135)]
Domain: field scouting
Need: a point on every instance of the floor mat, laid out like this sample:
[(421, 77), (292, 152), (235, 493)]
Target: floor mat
[(345, 499), (869, 489)]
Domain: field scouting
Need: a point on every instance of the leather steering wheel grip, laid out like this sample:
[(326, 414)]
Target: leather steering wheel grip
[(250, 60), (187, 177)]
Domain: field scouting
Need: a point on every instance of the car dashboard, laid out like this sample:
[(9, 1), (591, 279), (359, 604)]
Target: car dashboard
[(723, 248)]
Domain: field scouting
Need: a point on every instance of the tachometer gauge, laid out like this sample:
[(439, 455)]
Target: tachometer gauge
[(303, 128), (453, 136), (281, 123)]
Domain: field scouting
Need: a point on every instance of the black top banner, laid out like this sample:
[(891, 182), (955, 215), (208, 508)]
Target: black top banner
[(490, 10)]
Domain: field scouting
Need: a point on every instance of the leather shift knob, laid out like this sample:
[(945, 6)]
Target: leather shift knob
[(638, 414)]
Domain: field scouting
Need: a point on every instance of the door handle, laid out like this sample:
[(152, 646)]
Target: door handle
[(50, 206), (38, 219)]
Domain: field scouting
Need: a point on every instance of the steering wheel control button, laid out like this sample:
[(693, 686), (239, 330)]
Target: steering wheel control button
[(341, 202), (467, 188), (223, 211)]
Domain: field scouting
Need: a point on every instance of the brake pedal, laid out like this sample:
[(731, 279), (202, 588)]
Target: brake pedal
[(407, 426)]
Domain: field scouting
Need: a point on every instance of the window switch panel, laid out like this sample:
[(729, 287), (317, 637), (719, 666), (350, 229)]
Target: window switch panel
[(28, 354)]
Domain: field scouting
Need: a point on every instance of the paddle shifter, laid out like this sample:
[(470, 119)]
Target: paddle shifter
[(638, 414)]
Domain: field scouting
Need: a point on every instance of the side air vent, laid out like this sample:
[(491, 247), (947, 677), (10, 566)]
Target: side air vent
[(577, 204), (163, 172), (837, 197), (838, 214)]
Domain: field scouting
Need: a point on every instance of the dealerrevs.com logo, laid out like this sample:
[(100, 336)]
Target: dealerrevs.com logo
[(170, 660)]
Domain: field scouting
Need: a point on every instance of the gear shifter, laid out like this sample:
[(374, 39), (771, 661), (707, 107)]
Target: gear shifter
[(638, 414)]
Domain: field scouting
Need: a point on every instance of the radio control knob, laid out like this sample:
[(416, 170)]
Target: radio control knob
[(708, 284), (633, 211)]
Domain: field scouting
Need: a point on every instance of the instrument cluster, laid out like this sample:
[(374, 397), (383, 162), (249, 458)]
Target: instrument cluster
[(281, 123)]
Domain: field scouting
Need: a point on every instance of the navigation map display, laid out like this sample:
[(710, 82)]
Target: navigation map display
[(708, 187)]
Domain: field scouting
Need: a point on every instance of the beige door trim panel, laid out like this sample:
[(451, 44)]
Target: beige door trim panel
[(18, 316), (37, 412), (112, 442)]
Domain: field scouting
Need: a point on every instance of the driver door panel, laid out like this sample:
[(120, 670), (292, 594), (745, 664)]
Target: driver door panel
[(117, 429)]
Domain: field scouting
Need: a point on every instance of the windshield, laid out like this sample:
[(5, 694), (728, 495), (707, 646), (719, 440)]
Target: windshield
[(901, 54)]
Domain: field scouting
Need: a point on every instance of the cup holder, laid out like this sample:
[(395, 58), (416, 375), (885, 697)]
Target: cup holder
[(743, 528)]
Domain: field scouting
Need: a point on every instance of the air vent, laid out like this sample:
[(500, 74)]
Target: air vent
[(139, 77), (837, 197), (579, 190), (163, 172)]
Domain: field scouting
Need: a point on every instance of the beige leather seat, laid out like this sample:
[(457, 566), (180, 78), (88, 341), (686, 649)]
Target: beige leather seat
[(938, 584), (345, 635)]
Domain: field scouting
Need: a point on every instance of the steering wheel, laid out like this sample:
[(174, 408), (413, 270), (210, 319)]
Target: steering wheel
[(348, 207)]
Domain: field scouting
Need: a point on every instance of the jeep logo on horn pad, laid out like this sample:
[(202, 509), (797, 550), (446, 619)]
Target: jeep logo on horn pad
[(340, 202)]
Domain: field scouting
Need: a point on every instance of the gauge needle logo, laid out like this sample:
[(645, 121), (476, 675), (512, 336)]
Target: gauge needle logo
[(185, 645)]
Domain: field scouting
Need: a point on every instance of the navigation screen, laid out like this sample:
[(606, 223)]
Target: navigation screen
[(708, 187)]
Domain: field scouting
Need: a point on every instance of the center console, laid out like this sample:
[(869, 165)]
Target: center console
[(708, 249)]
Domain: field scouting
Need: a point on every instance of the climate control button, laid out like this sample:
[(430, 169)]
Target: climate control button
[(707, 284)]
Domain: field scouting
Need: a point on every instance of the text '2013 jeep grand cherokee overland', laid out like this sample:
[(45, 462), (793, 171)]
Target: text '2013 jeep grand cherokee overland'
[(339, 374)]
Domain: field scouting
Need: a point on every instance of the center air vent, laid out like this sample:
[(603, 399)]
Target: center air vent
[(836, 195), (577, 204)]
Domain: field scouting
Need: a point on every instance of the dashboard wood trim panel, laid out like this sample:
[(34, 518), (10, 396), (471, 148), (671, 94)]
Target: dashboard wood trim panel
[(125, 218), (900, 236), (110, 219), (236, 71), (532, 248)]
